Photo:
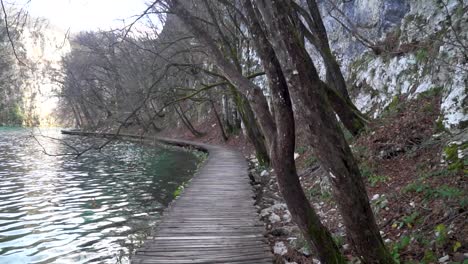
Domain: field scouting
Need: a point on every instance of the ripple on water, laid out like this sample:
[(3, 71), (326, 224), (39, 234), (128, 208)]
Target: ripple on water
[(86, 210)]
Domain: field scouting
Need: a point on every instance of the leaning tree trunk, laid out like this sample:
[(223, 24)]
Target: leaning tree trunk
[(349, 115), (187, 122), (254, 133), (89, 121), (218, 119), (76, 114), (283, 153), (330, 145), (337, 91)]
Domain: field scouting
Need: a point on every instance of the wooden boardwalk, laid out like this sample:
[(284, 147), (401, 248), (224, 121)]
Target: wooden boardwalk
[(213, 221)]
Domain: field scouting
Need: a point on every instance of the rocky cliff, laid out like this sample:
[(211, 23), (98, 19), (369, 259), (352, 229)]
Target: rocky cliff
[(29, 80), (400, 48)]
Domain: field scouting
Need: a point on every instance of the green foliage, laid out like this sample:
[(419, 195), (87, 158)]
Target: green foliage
[(379, 203), (444, 191), (316, 192), (360, 63), (339, 240), (451, 155), (456, 246), (448, 192), (15, 115), (398, 247), (417, 186), (439, 125), (326, 195), (201, 156), (422, 55), (395, 106), (375, 179), (410, 220), (311, 160), (179, 191), (368, 173), (438, 173), (422, 239), (366, 170), (431, 93), (429, 257), (313, 192), (301, 150), (460, 11), (441, 235)]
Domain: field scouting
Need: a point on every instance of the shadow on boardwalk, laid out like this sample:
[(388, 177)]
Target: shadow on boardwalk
[(214, 220)]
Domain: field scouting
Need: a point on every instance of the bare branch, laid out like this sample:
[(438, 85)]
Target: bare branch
[(10, 39)]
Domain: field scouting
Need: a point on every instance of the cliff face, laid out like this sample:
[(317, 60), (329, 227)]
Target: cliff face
[(28, 84), (423, 45)]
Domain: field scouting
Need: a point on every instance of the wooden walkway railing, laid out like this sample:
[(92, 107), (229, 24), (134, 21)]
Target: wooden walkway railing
[(214, 220)]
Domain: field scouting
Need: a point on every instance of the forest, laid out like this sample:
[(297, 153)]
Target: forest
[(352, 114)]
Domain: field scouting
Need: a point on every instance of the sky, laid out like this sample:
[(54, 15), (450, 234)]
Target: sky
[(81, 15)]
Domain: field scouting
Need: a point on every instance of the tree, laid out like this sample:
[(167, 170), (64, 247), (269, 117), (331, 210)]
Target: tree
[(328, 141), (324, 133)]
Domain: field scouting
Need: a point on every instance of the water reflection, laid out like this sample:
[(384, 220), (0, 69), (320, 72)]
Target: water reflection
[(87, 210)]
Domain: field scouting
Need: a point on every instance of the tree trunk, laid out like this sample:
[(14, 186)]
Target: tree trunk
[(218, 119), (351, 117), (283, 154), (244, 85), (187, 122), (330, 145), (76, 115), (254, 133), (89, 120)]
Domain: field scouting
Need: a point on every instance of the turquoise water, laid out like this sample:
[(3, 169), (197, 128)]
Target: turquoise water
[(91, 209)]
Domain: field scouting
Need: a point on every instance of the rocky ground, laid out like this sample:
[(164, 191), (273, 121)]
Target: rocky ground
[(416, 180), (415, 171)]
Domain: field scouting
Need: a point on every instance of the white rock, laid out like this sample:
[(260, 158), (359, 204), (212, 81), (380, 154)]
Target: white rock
[(316, 261), (287, 218), (375, 197), (296, 155), (444, 259), (279, 206), (274, 218), (280, 248), (265, 212), (264, 173)]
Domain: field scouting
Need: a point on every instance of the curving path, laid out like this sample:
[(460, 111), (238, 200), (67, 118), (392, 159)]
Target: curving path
[(214, 220)]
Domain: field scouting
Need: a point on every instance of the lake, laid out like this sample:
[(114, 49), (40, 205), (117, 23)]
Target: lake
[(96, 208)]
